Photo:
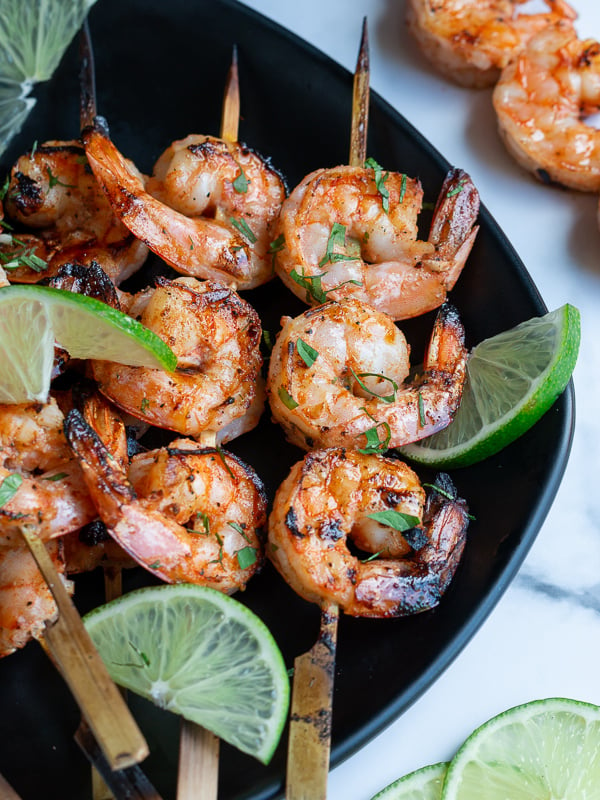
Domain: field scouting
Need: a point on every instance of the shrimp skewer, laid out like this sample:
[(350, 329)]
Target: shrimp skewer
[(183, 512), (208, 209), (337, 378), (350, 232), (217, 385), (311, 705)]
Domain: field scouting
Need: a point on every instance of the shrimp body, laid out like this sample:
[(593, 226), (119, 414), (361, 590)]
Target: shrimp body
[(194, 245), (330, 496), (226, 182), (347, 233), (541, 101), (471, 41), (53, 193), (26, 602), (337, 378), (49, 492), (216, 338), (185, 513)]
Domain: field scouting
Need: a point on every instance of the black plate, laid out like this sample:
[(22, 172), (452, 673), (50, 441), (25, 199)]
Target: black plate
[(160, 71)]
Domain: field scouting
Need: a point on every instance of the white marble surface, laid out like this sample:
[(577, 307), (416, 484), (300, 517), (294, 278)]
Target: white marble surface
[(543, 637)]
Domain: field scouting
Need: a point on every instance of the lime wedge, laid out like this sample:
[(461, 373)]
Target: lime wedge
[(34, 35), (512, 380), (423, 784), (33, 318), (537, 751), (199, 653)]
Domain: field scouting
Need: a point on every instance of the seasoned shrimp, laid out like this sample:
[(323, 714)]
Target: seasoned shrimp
[(471, 41), (337, 372), (53, 193), (186, 513), (200, 246), (226, 182), (216, 338), (351, 232), (26, 602), (330, 496), (41, 480), (542, 100)]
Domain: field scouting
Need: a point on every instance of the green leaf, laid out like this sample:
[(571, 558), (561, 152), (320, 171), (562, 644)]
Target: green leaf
[(380, 179), (395, 519), (286, 398), (387, 398), (307, 353), (312, 284), (246, 557), (9, 486)]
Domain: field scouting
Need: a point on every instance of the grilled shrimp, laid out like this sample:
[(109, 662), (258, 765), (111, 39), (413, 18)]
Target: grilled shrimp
[(202, 242), (40, 480), (352, 232), (54, 195), (229, 184), (26, 602), (331, 495), (337, 378), (216, 338), (185, 513), (471, 41), (541, 101)]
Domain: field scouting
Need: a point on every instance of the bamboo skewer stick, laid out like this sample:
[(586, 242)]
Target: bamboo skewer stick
[(311, 706), (309, 744), (113, 588), (198, 769), (6, 790), (72, 650), (230, 115), (360, 103)]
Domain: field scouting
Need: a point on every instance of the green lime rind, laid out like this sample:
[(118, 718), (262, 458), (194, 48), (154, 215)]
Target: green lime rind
[(201, 654), (512, 380), (546, 748), (33, 318), (422, 784)]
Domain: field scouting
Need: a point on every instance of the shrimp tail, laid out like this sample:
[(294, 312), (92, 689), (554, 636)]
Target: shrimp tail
[(103, 474), (453, 229), (200, 248), (447, 517), (428, 573)]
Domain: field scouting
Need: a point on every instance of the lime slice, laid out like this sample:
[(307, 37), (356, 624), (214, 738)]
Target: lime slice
[(34, 35), (199, 653), (423, 784), (33, 318), (512, 380), (538, 751)]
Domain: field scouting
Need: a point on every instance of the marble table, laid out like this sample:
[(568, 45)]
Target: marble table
[(543, 637)]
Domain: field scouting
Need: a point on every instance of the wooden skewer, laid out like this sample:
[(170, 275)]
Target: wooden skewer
[(87, 79), (230, 115), (309, 744), (311, 713), (73, 651), (360, 103), (6, 790), (113, 588), (198, 769)]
